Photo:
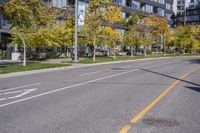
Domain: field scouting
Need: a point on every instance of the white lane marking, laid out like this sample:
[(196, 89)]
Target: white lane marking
[(2, 99), (76, 85), (25, 92), (86, 74), (22, 93), (19, 87), (12, 92)]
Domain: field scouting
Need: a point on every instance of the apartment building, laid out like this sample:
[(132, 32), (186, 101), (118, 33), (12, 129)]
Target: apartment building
[(161, 8), (181, 5), (191, 16), (188, 12)]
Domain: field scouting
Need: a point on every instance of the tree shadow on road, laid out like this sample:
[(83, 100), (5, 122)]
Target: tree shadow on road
[(194, 88), (195, 61), (182, 80)]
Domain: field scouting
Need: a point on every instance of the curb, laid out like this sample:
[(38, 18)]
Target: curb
[(72, 67)]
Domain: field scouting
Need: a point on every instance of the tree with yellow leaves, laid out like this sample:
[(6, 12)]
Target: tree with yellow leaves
[(171, 39), (132, 37), (196, 38), (94, 21), (184, 37), (57, 35), (111, 38), (148, 37), (161, 29), (98, 14), (25, 17), (109, 32)]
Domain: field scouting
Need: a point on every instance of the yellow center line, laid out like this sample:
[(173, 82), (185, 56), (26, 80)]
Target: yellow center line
[(135, 119)]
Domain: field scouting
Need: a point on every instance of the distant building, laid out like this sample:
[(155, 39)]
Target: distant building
[(181, 5), (193, 3), (191, 15)]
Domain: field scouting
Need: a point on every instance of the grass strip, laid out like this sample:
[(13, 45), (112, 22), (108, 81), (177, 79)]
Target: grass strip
[(19, 67)]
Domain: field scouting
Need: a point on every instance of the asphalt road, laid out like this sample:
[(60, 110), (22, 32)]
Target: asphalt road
[(153, 96)]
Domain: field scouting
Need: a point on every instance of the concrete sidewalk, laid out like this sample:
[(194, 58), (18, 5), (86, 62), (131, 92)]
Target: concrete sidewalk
[(9, 62)]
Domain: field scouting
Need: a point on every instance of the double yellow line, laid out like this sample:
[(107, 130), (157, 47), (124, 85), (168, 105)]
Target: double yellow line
[(135, 119)]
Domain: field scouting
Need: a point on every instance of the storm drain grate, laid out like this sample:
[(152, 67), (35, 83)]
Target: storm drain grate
[(161, 122)]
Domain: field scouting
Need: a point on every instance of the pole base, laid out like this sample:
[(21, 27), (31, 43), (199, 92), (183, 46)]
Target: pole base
[(75, 61)]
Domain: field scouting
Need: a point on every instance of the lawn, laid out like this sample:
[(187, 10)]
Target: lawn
[(36, 66), (89, 60), (110, 59)]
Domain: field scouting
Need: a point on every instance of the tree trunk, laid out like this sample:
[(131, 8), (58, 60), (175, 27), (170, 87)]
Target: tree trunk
[(157, 49), (24, 47), (183, 50), (145, 52), (131, 51), (175, 46), (67, 51), (136, 50), (164, 47), (164, 50), (114, 53), (94, 50)]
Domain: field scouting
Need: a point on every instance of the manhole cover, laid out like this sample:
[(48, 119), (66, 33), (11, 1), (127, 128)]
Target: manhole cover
[(161, 122)]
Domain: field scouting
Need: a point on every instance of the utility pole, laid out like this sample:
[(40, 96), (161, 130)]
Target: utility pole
[(76, 33)]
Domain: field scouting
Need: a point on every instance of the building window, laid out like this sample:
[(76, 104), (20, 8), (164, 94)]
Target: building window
[(148, 8), (136, 5), (161, 12), (120, 2), (161, 1), (168, 6), (59, 3)]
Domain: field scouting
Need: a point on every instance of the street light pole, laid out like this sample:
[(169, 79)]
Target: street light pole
[(76, 33)]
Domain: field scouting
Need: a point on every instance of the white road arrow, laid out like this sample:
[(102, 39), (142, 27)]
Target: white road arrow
[(21, 93)]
